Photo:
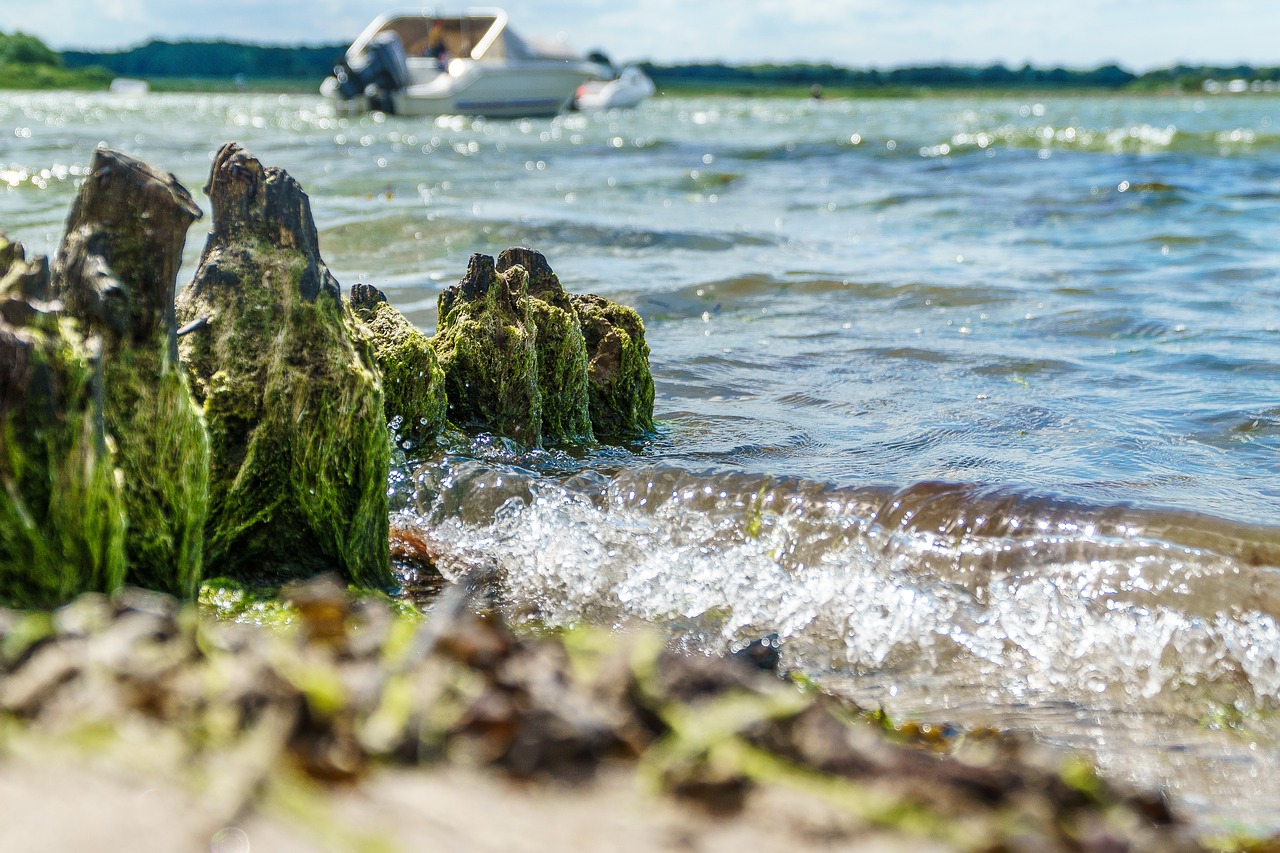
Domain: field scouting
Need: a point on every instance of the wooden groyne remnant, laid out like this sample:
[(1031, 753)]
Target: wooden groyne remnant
[(244, 427)]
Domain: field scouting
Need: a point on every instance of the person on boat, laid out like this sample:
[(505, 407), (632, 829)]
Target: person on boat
[(435, 45)]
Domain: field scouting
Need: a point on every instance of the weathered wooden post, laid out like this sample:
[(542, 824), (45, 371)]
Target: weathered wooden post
[(486, 342), (618, 375), (115, 274), (289, 388), (62, 519), (561, 348), (412, 379)]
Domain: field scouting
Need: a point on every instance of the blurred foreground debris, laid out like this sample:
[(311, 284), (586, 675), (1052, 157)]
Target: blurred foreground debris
[(227, 710)]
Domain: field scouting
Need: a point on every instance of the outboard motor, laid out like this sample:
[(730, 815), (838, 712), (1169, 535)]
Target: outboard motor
[(387, 69), (599, 58), (377, 72), (349, 83)]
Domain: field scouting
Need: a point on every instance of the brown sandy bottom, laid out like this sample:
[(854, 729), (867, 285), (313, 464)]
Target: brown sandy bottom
[(138, 723), (63, 807)]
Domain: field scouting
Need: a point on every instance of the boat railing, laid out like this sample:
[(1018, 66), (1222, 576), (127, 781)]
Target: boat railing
[(492, 35), (471, 34)]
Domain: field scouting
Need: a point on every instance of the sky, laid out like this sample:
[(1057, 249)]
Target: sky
[(1136, 34)]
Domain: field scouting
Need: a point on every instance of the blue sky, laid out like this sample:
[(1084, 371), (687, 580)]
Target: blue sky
[(1138, 34)]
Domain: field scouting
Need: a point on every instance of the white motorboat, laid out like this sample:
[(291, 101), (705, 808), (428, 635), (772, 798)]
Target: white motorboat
[(129, 86), (624, 91), (419, 64)]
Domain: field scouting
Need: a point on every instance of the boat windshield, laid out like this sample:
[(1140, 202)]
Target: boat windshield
[(463, 36), (521, 48)]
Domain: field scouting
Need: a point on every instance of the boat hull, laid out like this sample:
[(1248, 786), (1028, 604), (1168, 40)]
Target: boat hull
[(508, 90)]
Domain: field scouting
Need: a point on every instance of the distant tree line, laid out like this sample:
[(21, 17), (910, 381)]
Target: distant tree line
[(945, 76), (226, 60), (213, 59), (22, 49), (28, 63)]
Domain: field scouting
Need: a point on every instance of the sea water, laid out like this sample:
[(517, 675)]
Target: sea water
[(974, 401)]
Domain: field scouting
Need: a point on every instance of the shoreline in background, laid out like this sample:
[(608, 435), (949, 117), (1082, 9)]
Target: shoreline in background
[(74, 81), (26, 63)]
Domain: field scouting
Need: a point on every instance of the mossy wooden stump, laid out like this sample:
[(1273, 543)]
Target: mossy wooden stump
[(115, 273), (412, 379), (62, 521), (561, 350), (290, 390), (618, 376), (273, 464), (525, 359), (485, 340)]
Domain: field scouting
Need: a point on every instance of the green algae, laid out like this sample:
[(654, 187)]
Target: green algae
[(562, 363), (28, 630), (524, 359), (164, 452), (62, 520), (306, 803), (561, 351), (9, 252), (755, 512), (618, 375), (297, 448), (228, 600), (412, 378), (116, 274), (486, 342), (292, 399)]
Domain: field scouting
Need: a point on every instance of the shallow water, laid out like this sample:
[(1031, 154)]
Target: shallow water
[(975, 402)]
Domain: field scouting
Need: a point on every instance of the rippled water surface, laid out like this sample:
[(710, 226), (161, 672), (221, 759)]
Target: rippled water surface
[(975, 402)]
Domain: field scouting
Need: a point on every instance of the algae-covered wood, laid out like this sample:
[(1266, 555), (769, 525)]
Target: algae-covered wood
[(412, 379), (62, 520), (116, 274), (291, 394)]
